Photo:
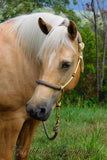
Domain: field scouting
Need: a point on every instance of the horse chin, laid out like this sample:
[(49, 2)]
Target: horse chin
[(45, 118), (40, 119)]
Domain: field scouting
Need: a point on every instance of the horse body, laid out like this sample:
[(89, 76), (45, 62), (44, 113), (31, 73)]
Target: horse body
[(26, 54), (17, 84)]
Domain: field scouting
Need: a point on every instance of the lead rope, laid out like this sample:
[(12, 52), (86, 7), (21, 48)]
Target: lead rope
[(56, 128), (81, 62)]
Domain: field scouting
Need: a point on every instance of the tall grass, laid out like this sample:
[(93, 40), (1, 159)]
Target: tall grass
[(82, 135)]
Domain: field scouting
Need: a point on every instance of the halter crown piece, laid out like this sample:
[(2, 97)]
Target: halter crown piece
[(61, 88)]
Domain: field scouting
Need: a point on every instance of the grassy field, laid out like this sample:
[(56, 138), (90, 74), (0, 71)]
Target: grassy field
[(82, 135)]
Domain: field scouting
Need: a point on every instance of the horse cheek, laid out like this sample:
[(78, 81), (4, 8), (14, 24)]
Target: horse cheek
[(74, 82)]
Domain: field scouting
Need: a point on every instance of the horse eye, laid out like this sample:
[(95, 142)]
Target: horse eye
[(66, 65)]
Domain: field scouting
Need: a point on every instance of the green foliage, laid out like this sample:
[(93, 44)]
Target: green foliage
[(12, 8), (75, 2), (88, 83), (91, 68), (61, 6), (104, 90)]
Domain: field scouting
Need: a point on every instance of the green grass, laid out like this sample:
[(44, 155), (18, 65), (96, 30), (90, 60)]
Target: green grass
[(82, 135)]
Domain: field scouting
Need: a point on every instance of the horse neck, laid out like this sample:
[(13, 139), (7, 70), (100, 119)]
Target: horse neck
[(29, 64)]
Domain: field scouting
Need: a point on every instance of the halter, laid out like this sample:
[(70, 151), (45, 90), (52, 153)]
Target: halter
[(61, 88), (57, 87)]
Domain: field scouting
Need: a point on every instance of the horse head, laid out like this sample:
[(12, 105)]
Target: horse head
[(59, 59)]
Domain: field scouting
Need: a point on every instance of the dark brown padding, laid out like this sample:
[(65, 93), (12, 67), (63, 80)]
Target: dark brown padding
[(47, 84), (45, 27), (72, 30)]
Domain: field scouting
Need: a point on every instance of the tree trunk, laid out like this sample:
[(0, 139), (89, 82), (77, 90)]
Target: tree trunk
[(97, 52), (103, 60)]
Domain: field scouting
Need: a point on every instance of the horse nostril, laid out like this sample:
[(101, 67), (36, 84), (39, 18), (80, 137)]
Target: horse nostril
[(42, 111), (31, 111)]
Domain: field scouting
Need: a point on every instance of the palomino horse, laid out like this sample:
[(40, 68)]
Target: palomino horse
[(37, 46)]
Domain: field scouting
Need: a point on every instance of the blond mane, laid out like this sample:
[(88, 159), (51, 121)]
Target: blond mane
[(33, 41)]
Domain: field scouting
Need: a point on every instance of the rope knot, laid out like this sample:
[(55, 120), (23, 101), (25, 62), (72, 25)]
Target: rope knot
[(81, 47), (56, 129)]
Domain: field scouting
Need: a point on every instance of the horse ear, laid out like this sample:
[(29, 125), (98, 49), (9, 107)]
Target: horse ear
[(72, 30), (45, 27)]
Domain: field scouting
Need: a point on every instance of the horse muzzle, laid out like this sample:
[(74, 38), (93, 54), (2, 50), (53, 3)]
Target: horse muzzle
[(41, 112)]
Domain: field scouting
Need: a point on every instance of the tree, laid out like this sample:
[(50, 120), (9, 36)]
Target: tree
[(95, 12), (97, 52), (88, 79), (103, 14)]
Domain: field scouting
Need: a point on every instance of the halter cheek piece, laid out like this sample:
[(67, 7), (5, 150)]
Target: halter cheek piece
[(61, 88)]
